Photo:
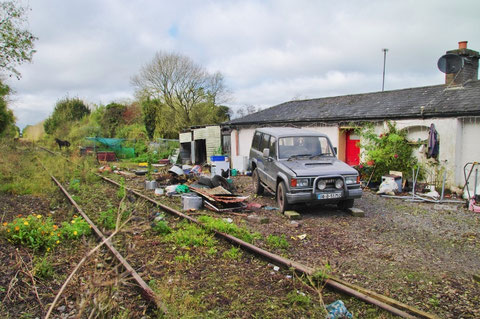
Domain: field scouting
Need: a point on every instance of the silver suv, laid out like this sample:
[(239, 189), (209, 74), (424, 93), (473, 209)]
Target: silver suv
[(301, 166)]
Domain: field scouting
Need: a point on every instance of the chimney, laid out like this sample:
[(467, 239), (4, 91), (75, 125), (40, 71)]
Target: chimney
[(470, 65)]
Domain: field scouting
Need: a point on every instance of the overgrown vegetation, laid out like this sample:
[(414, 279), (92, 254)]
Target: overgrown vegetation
[(223, 226), (41, 233), (388, 151)]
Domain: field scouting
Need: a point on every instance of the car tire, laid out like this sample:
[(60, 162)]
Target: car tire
[(257, 185), (282, 201), (345, 204)]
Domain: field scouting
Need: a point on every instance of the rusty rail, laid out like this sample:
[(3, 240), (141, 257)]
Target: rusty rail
[(393, 306), (145, 290), (383, 302)]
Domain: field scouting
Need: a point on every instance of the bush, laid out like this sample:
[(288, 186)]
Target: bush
[(385, 152)]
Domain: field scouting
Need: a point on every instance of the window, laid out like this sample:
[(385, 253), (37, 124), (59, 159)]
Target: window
[(265, 142), (256, 140), (273, 146)]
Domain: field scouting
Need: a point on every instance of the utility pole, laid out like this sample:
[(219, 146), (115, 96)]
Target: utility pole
[(384, 62)]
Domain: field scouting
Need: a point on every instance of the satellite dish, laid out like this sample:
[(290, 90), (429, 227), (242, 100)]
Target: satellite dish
[(450, 63)]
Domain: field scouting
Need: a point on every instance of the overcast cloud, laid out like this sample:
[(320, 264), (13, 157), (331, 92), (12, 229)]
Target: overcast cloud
[(269, 51)]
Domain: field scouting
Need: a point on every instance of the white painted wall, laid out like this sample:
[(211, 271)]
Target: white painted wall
[(459, 141)]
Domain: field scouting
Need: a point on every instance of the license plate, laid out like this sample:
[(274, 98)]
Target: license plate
[(329, 195)]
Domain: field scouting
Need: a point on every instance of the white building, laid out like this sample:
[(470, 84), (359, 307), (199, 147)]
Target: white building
[(454, 109)]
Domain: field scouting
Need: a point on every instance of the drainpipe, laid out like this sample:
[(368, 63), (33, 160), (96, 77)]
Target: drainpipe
[(237, 153)]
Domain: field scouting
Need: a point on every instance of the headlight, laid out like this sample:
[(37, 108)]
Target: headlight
[(299, 182), (350, 179), (339, 183), (321, 184)]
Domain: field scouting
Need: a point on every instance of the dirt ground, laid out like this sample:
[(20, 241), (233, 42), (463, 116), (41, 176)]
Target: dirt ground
[(422, 254)]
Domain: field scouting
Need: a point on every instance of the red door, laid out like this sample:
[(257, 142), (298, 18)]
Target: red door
[(352, 151)]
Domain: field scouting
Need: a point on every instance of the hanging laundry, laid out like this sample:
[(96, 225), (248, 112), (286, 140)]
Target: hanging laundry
[(433, 142)]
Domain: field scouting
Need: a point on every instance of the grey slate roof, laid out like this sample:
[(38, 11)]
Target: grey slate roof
[(420, 102)]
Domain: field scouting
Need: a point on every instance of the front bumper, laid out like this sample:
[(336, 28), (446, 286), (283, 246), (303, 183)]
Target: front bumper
[(325, 196)]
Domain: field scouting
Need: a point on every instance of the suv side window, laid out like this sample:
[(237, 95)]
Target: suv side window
[(273, 147), (256, 141), (265, 142)]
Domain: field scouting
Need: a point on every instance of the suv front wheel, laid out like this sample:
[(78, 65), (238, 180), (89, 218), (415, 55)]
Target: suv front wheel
[(257, 186), (282, 197)]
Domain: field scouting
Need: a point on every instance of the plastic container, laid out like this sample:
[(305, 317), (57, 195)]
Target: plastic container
[(150, 184), (233, 172), (159, 191), (217, 158), (191, 201)]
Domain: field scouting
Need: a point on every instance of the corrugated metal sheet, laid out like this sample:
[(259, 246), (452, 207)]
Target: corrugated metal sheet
[(185, 137)]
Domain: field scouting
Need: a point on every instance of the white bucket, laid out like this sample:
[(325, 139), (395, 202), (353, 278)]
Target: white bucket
[(191, 201), (150, 184)]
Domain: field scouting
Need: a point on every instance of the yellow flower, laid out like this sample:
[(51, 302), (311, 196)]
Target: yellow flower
[(5, 224), (75, 233), (58, 242), (48, 248), (55, 226), (75, 216), (39, 216), (51, 234), (73, 222), (17, 228), (25, 223), (8, 230)]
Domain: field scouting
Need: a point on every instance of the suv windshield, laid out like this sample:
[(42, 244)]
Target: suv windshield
[(303, 146)]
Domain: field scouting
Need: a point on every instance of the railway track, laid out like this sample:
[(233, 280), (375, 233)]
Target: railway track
[(383, 302)]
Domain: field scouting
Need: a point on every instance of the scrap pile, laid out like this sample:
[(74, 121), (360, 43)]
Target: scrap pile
[(194, 184)]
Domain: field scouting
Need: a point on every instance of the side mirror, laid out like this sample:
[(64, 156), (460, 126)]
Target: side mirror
[(266, 152)]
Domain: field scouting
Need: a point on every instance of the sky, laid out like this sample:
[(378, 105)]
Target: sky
[(269, 51)]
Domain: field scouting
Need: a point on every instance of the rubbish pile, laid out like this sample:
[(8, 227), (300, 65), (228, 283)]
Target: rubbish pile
[(196, 185)]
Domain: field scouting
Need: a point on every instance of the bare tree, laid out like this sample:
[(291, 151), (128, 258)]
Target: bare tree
[(247, 110), (179, 83)]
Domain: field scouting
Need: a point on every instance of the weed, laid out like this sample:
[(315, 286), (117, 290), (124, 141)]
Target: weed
[(233, 253), (75, 184), (222, 226), (323, 273), (34, 231), (121, 193), (43, 268), (434, 301), (191, 235), (277, 242), (184, 258), (161, 228), (298, 298), (76, 228), (212, 251)]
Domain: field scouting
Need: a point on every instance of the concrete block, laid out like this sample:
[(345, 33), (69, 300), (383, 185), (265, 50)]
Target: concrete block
[(356, 212), (258, 219), (291, 214)]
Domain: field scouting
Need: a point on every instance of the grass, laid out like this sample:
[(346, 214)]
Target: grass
[(188, 234), (233, 253), (223, 226), (279, 242)]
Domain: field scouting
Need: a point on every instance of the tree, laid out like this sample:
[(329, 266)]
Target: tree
[(7, 120), (246, 110), (112, 118), (16, 43), (66, 111), (178, 83)]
